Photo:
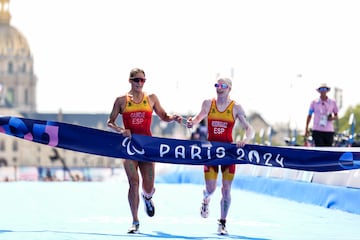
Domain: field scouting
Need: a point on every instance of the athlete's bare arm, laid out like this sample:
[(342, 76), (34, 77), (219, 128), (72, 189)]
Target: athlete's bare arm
[(205, 108), (118, 108), (239, 114)]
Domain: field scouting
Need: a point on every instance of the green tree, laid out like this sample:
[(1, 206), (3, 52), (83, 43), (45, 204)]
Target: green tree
[(343, 123)]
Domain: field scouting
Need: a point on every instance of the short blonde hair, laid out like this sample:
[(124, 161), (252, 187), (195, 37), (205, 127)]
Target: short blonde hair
[(135, 71), (227, 80)]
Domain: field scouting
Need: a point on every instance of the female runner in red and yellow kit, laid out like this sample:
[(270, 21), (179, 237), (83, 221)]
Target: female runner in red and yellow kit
[(221, 114), (136, 108)]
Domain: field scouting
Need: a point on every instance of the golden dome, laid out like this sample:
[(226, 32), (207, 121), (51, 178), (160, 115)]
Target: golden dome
[(12, 42)]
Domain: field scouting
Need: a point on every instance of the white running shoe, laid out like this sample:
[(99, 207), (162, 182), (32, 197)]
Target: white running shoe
[(204, 210), (134, 228), (222, 228)]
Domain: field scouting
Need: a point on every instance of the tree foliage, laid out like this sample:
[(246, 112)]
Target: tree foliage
[(343, 123)]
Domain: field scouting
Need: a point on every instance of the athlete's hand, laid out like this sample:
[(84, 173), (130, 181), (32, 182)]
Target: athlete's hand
[(189, 123), (242, 143), (126, 133), (177, 118)]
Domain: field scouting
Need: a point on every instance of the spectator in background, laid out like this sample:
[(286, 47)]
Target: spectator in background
[(325, 111), (201, 132), (195, 136)]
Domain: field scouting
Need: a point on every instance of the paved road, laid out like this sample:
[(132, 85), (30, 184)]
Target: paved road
[(99, 211)]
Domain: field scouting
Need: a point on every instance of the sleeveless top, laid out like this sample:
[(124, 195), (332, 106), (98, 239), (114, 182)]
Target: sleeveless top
[(220, 124), (137, 116)]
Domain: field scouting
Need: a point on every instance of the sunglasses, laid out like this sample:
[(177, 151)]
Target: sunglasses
[(323, 89), (222, 85), (138, 80)]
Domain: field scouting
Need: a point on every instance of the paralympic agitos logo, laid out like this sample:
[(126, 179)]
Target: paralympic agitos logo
[(130, 148)]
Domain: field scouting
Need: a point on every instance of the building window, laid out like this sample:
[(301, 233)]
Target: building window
[(15, 146), (26, 96), (2, 145), (10, 96), (10, 67), (23, 68), (100, 162)]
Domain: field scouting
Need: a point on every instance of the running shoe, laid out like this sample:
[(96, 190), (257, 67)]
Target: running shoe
[(204, 210), (222, 228), (134, 228), (149, 206)]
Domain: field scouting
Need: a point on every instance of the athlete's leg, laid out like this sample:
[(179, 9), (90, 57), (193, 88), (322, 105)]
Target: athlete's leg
[(147, 170), (228, 173), (210, 174), (131, 169)]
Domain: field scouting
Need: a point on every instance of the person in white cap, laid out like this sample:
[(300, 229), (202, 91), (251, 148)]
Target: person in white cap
[(325, 111), (221, 114)]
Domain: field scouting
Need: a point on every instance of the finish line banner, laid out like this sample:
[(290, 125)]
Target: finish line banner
[(175, 151)]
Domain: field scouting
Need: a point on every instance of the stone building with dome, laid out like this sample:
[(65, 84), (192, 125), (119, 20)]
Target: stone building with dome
[(17, 78)]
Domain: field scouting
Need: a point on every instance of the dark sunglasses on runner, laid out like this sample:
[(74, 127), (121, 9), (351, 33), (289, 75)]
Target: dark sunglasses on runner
[(223, 85), (138, 80)]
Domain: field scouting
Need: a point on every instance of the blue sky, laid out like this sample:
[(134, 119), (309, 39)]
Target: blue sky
[(280, 51)]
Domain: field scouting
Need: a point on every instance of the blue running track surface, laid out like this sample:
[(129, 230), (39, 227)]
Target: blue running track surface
[(100, 211)]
